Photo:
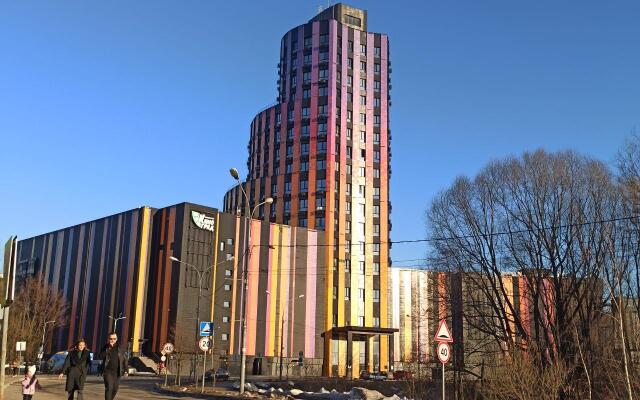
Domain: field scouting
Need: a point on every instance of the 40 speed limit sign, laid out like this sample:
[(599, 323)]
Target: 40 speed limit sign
[(444, 352)]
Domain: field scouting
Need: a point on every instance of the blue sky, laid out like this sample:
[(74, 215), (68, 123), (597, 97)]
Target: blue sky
[(110, 105)]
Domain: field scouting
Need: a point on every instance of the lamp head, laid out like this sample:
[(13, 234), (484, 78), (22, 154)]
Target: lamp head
[(174, 259), (234, 173), (269, 200)]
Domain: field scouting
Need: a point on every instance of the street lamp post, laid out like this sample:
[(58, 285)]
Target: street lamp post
[(44, 332), (201, 274), (282, 329), (115, 321), (246, 254)]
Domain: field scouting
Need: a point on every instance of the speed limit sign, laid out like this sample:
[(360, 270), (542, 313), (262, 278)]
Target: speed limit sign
[(444, 352), (205, 343), (167, 348)]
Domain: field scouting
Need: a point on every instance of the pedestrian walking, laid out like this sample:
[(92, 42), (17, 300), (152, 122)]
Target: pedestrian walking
[(76, 367), (113, 366), (15, 366), (29, 383)]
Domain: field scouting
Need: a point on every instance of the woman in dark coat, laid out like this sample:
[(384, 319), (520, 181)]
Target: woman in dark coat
[(76, 367)]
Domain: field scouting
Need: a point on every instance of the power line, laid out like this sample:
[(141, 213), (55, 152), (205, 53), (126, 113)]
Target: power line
[(455, 237)]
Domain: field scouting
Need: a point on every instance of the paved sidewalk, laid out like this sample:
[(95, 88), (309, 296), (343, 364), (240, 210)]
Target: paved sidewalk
[(138, 388)]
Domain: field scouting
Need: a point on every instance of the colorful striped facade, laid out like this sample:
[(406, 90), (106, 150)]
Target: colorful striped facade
[(101, 268), (322, 153), (285, 293), (421, 298), (121, 265)]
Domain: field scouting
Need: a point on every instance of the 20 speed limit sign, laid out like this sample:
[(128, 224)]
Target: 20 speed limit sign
[(205, 343), (444, 352)]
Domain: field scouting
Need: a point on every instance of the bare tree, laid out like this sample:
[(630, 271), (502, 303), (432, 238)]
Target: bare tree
[(628, 164), (529, 234), (34, 305), (519, 379)]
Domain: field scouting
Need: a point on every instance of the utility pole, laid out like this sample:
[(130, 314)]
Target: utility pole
[(201, 274), (245, 265), (286, 310), (44, 332), (9, 283), (115, 321)]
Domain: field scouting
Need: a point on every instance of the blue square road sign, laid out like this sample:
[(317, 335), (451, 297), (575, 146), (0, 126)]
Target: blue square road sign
[(206, 328)]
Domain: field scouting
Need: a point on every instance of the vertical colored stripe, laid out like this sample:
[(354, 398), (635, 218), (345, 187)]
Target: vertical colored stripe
[(286, 266), (311, 336), (214, 288), (407, 313), (253, 287), (87, 280), (395, 304), (142, 278), (237, 265), (293, 298), (76, 287), (272, 284)]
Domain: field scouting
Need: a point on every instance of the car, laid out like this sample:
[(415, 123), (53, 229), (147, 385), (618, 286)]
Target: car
[(56, 362), (378, 376), (402, 375), (373, 376), (221, 374)]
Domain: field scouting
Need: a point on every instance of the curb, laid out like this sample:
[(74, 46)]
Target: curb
[(160, 389)]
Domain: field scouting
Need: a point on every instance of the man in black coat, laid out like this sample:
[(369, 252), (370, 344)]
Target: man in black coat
[(76, 367), (113, 366)]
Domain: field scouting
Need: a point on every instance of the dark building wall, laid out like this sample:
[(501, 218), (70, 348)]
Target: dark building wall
[(174, 286)]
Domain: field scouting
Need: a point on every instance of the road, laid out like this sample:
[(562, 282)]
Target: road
[(139, 388)]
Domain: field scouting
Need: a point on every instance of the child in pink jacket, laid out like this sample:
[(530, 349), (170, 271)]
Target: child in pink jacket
[(29, 383)]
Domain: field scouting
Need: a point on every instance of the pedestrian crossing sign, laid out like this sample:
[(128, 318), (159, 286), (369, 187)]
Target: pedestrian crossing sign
[(206, 328)]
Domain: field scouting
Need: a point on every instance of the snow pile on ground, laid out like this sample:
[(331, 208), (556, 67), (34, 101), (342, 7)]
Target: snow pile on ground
[(356, 393)]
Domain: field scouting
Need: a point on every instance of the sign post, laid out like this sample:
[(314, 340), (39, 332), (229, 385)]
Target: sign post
[(205, 345), (20, 348), (166, 349), (206, 332), (443, 337), (6, 298), (164, 361)]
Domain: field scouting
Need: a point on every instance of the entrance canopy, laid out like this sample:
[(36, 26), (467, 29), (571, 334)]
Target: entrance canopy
[(362, 330), (360, 333)]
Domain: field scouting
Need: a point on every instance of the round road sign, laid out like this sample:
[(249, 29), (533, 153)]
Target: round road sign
[(168, 348), (205, 344), (444, 352)]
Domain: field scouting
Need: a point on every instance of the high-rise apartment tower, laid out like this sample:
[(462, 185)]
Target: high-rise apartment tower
[(323, 153)]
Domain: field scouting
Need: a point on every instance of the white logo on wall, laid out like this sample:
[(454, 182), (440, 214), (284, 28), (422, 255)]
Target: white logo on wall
[(202, 221)]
